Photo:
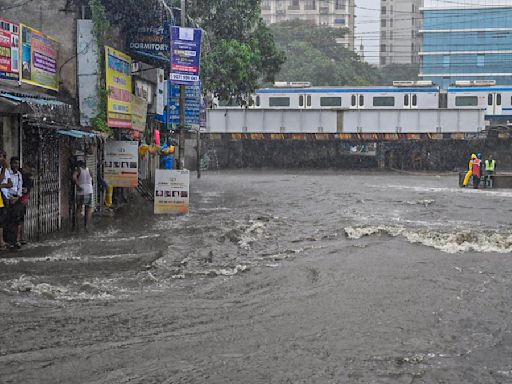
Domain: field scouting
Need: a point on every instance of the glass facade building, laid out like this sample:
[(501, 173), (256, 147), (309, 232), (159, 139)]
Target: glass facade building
[(473, 43)]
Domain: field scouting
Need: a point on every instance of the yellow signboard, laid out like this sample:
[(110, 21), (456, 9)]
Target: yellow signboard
[(119, 86)]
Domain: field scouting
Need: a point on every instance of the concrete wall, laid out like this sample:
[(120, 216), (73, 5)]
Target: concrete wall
[(222, 152), (52, 18)]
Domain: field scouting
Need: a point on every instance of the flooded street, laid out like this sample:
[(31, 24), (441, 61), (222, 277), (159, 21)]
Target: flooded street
[(274, 277)]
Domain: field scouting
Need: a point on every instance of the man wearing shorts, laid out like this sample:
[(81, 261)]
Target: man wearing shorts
[(83, 180)]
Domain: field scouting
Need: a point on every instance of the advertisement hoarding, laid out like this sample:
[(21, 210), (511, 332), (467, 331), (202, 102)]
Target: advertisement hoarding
[(185, 55), (172, 191), (122, 164), (9, 50), (151, 41), (139, 112), (39, 57), (119, 86)]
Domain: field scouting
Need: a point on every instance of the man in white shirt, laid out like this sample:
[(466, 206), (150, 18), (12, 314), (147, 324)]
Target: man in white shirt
[(5, 185)]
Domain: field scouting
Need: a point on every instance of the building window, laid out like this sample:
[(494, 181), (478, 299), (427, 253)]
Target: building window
[(265, 5), (339, 4), (383, 47), (294, 5), (279, 101), (382, 61), (383, 35), (330, 101), (309, 5), (383, 10), (466, 101), (446, 61), (390, 35), (391, 22), (480, 60), (383, 101), (383, 22), (339, 21)]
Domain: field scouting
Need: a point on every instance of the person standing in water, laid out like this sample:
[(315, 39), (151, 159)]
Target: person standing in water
[(469, 172), (477, 170), (83, 180)]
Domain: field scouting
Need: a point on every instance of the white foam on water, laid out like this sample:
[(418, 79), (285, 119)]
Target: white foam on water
[(487, 192), (449, 242), (223, 271)]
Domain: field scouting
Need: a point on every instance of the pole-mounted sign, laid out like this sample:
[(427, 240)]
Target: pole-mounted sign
[(185, 55)]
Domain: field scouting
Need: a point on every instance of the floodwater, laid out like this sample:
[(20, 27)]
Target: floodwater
[(274, 277)]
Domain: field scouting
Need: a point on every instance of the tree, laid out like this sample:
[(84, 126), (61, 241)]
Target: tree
[(239, 51), (399, 72), (314, 55)]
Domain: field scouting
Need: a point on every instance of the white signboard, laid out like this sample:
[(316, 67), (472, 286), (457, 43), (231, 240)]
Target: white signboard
[(122, 163), (172, 191)]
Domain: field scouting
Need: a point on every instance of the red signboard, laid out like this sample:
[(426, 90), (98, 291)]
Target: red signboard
[(9, 50)]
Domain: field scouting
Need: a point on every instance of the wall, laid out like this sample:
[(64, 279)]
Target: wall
[(52, 18)]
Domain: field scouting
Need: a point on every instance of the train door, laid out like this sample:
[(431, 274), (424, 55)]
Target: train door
[(410, 101), (304, 101), (357, 101), (494, 104)]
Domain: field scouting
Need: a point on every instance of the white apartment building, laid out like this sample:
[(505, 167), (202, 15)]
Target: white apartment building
[(400, 22), (333, 13)]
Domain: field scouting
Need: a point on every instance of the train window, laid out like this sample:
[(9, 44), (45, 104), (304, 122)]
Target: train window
[(301, 101), (330, 101), (466, 101), (308, 100), (406, 100), (414, 100), (353, 101), (383, 101), (498, 99), (279, 101), (489, 99), (257, 101), (361, 100)]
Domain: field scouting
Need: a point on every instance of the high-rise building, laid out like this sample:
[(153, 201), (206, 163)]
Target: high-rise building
[(400, 22), (470, 42), (333, 13)]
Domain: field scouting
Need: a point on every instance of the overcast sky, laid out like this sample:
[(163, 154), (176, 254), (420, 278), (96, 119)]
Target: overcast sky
[(368, 21)]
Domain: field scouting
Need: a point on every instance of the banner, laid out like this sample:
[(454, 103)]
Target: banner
[(119, 86), (185, 55), (172, 191), (9, 50), (139, 112), (39, 59), (122, 164), (151, 41)]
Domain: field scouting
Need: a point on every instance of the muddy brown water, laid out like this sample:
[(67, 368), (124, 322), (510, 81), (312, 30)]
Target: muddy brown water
[(274, 277)]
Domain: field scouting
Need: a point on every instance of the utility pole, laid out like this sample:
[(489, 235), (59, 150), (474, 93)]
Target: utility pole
[(181, 143)]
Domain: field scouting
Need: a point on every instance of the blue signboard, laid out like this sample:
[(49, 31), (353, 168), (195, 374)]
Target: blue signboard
[(194, 106), (185, 55)]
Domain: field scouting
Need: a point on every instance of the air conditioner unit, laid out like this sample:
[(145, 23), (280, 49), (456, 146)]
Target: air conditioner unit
[(300, 84), (403, 83), (463, 83), (423, 83), (484, 82)]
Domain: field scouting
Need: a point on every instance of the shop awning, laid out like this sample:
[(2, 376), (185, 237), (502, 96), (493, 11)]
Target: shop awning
[(76, 134)]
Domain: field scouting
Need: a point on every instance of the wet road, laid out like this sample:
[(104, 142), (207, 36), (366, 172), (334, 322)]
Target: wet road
[(273, 278)]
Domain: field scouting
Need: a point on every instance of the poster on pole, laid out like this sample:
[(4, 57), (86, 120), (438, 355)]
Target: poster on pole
[(139, 113), (185, 55), (39, 57), (9, 50), (172, 191), (119, 86), (122, 164)]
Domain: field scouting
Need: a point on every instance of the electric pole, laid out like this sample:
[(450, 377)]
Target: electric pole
[(181, 142)]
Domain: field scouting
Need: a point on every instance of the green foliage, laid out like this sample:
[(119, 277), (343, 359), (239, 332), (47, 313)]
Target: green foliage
[(99, 123), (101, 26), (314, 55), (240, 52), (399, 72)]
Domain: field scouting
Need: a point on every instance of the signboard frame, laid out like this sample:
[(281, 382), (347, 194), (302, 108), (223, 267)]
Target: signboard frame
[(39, 59), (118, 73), (122, 164), (185, 55), (172, 191)]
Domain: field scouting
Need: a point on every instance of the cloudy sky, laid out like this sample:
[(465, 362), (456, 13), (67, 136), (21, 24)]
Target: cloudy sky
[(368, 22)]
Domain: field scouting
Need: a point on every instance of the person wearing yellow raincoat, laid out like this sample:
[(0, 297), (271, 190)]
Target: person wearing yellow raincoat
[(469, 173)]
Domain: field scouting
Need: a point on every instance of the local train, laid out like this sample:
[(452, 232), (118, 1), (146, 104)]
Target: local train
[(467, 94)]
